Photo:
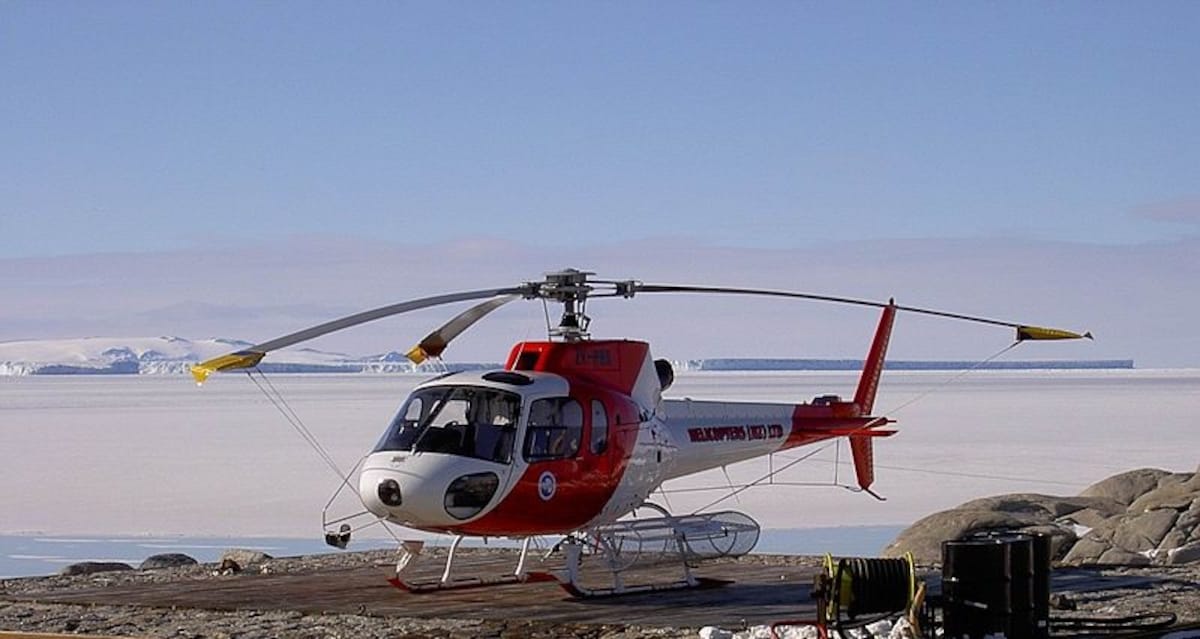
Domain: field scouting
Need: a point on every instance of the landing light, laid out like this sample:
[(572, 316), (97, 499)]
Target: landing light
[(389, 492)]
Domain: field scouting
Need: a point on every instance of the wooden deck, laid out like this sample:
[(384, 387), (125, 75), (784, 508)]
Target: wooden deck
[(764, 590), (762, 593)]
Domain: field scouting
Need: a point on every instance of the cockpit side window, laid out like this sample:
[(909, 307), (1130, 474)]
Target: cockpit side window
[(599, 440), (457, 420), (555, 428)]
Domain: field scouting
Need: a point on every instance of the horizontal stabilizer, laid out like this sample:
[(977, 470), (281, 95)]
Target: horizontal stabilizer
[(860, 431)]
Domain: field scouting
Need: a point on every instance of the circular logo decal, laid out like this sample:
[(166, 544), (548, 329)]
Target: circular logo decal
[(547, 484)]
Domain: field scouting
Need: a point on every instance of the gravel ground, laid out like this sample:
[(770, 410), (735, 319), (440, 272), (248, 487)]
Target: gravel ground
[(1177, 591)]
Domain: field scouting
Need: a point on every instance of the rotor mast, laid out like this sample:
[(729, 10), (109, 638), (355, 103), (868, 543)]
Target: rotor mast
[(570, 288)]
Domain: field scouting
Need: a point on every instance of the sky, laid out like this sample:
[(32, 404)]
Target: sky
[(245, 169)]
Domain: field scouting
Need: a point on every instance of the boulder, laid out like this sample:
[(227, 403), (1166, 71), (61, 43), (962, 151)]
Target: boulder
[(1179, 495), (1088, 518), (167, 560), (1126, 487), (1061, 538), (1045, 507), (1145, 531), (1185, 554), (92, 567), (924, 538), (1086, 551), (1175, 538), (243, 557), (1174, 478), (1134, 518), (1122, 557)]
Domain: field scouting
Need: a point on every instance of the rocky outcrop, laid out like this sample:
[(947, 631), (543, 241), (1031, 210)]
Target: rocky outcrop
[(1138, 517), (167, 560), (93, 567), (243, 557)]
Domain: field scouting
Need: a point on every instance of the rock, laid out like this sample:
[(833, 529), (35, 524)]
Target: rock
[(1061, 538), (1088, 518), (1184, 554), (1061, 602), (167, 560), (1175, 478), (1086, 551), (1143, 532), (1042, 507), (1178, 496), (228, 567), (924, 538), (245, 557), (1126, 487), (1174, 539), (1190, 518), (1126, 519), (1122, 557), (92, 567)]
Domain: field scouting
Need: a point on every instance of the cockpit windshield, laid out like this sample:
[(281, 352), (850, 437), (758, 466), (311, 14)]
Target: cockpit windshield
[(459, 420)]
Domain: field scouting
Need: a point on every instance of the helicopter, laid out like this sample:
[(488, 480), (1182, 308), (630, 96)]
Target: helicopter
[(573, 434)]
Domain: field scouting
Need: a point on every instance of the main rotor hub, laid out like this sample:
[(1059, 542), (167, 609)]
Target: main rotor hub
[(570, 288)]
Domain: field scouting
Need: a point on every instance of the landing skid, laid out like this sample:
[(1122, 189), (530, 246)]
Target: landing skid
[(466, 583), (411, 550), (579, 592), (620, 547), (610, 547)]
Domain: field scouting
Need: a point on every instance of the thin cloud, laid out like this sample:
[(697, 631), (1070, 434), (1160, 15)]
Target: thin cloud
[(1135, 298), (1183, 210)]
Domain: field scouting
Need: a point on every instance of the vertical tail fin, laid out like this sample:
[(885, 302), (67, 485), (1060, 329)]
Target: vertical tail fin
[(861, 448), (864, 460), (873, 366)]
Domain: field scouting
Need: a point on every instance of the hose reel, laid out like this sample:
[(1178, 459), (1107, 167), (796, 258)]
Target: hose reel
[(858, 591)]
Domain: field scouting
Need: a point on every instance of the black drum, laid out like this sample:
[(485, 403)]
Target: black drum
[(997, 583), (1042, 547), (1020, 623)]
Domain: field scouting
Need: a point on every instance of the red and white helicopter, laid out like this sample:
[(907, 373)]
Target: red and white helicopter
[(573, 435)]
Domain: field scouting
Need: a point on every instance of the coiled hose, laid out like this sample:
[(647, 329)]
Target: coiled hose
[(869, 586), (856, 587)]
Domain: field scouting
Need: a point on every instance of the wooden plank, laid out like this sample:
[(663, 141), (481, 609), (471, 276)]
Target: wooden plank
[(762, 593)]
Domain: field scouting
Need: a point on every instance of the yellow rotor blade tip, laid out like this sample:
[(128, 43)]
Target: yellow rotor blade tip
[(1042, 333), (416, 355)]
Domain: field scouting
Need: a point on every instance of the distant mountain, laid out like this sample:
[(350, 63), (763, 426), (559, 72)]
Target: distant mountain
[(174, 355)]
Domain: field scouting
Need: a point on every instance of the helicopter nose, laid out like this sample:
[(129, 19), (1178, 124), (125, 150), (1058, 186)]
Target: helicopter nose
[(427, 491)]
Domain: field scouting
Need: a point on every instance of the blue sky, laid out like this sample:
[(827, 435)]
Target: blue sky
[(133, 126), (911, 131)]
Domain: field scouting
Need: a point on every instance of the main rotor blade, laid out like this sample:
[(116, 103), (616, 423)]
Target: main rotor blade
[(253, 355), (436, 342), (1024, 331)]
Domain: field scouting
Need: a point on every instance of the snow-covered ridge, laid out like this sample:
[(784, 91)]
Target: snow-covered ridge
[(174, 356)]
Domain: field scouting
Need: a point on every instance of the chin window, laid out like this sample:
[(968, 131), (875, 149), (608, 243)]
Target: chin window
[(469, 494)]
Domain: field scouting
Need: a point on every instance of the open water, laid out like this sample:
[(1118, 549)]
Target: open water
[(32, 555)]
